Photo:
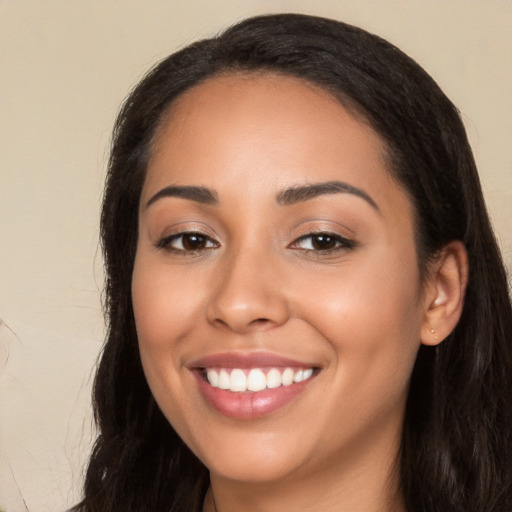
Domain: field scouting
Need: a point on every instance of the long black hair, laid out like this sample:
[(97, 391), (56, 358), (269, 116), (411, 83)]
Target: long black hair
[(456, 451)]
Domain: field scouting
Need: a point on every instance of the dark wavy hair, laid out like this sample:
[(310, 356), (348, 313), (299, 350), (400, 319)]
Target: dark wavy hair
[(456, 450)]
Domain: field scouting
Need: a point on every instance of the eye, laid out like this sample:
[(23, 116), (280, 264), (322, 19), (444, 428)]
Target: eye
[(322, 243), (190, 242)]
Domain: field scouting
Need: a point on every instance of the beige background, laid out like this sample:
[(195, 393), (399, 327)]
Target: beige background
[(65, 68)]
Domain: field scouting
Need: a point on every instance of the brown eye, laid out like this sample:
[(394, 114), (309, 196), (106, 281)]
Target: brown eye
[(193, 242), (323, 243), (187, 242)]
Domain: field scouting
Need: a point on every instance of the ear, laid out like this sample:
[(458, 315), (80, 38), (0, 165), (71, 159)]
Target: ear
[(444, 293)]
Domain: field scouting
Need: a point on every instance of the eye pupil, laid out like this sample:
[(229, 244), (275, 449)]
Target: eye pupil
[(193, 242), (323, 242)]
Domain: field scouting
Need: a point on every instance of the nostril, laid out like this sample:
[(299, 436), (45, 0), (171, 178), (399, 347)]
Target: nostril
[(219, 321), (260, 321)]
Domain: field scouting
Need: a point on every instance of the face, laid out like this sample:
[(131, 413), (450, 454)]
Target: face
[(276, 287)]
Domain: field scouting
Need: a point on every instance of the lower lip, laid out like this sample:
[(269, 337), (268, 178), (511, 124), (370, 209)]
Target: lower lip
[(249, 405)]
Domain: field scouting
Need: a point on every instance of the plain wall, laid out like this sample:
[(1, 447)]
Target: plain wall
[(65, 68)]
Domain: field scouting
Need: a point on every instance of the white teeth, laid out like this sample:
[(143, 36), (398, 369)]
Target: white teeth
[(238, 380), (298, 377), (256, 381), (213, 378), (224, 382), (273, 378), (287, 377)]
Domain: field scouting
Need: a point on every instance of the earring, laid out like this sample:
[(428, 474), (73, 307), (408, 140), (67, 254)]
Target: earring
[(434, 332)]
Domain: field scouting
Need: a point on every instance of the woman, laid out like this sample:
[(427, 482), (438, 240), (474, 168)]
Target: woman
[(306, 302)]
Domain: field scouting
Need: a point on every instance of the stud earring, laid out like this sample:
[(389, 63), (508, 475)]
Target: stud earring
[(434, 332)]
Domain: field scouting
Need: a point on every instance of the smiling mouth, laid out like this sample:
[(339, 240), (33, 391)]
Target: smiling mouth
[(252, 385), (238, 380)]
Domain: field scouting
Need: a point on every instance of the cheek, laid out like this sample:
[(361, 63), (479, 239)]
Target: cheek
[(370, 315), (164, 311), (362, 296), (165, 304)]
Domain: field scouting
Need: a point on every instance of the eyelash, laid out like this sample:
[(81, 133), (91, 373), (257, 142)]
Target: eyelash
[(166, 243), (340, 243)]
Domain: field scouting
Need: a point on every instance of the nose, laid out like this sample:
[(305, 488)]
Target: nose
[(246, 295)]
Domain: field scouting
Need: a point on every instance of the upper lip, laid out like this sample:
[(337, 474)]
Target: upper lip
[(247, 360)]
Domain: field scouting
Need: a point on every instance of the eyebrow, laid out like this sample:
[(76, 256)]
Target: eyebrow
[(289, 196), (302, 193), (201, 195)]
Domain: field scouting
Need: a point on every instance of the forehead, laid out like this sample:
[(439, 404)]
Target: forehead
[(266, 129), (263, 99)]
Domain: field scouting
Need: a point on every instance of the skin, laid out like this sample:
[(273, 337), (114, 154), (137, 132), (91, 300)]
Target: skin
[(357, 312)]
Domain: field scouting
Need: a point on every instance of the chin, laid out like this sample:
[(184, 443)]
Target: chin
[(254, 469), (252, 458)]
